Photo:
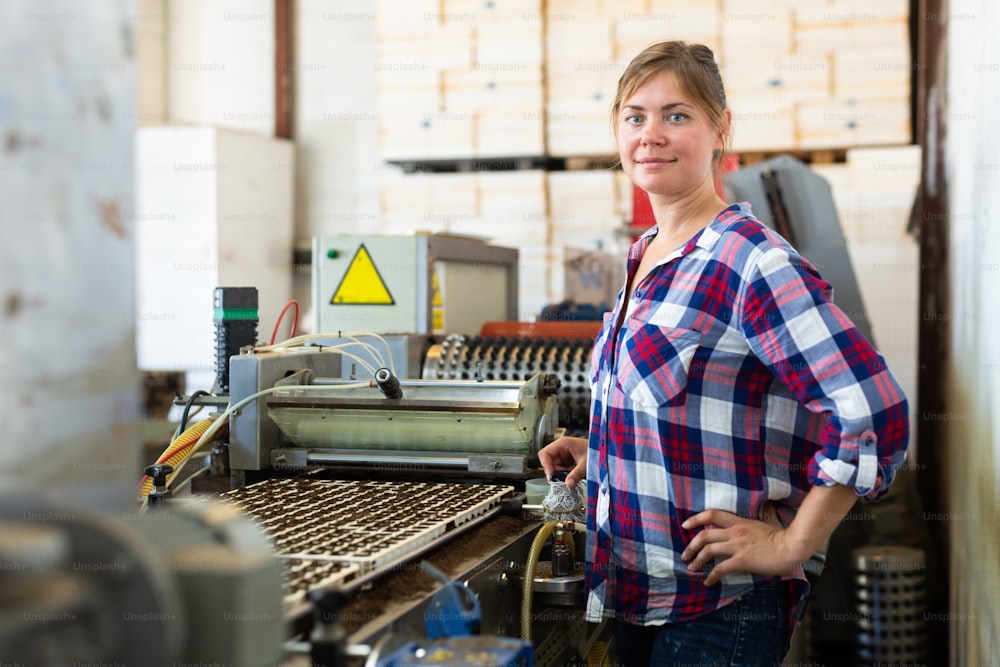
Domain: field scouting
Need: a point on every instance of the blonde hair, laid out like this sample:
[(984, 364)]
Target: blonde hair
[(697, 75)]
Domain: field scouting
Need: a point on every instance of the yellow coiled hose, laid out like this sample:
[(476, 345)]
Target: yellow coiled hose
[(598, 655), (527, 589), (175, 453)]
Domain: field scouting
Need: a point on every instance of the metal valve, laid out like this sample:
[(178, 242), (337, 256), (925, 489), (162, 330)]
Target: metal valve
[(158, 472), (388, 383), (563, 549)]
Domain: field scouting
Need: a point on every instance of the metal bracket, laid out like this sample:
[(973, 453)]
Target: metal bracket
[(497, 463), (290, 458)]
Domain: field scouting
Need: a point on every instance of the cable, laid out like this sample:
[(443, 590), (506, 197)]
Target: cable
[(211, 392), (372, 350), (222, 419), (187, 409), (187, 480), (281, 316), (337, 349), (299, 341), (175, 452), (388, 350)]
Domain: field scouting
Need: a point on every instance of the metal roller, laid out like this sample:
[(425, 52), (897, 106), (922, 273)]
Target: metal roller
[(460, 357), (452, 416)]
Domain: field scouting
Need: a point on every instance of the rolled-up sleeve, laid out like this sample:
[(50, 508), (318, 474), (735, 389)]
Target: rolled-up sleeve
[(792, 325)]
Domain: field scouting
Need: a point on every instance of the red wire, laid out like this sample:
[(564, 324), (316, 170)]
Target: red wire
[(281, 316)]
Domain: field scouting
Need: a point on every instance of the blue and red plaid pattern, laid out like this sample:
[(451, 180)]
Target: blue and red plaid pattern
[(731, 381)]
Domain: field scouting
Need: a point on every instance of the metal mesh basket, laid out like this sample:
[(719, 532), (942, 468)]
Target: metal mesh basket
[(890, 601)]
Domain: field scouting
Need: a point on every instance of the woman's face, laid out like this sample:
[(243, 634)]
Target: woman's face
[(665, 141)]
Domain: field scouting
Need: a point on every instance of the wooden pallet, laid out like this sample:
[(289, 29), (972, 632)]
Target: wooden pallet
[(596, 162), (589, 162), (821, 156), (443, 166)]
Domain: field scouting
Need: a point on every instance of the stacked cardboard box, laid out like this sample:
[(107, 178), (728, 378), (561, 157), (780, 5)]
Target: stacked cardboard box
[(588, 45), (463, 78), (874, 193), (510, 208), (458, 79), (587, 211), (802, 74), (867, 46)]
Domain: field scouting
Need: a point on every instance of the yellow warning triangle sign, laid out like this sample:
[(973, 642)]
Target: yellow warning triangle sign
[(362, 284)]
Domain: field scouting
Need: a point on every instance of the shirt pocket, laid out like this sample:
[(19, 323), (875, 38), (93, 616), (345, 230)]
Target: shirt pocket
[(654, 361)]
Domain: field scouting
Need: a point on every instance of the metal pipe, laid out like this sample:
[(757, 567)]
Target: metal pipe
[(210, 399), (412, 405), (492, 384), (326, 458)]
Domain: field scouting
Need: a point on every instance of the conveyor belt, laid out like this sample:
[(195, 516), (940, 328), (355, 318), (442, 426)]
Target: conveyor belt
[(331, 531)]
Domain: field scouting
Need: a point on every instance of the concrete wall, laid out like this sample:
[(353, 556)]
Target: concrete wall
[(973, 416), (68, 384)]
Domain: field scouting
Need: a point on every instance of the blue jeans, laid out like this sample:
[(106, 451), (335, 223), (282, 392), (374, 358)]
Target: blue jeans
[(752, 631)]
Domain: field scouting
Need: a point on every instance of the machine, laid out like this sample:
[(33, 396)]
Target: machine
[(476, 405), (488, 428), (367, 518), (369, 460), (185, 584), (418, 283), (364, 459)]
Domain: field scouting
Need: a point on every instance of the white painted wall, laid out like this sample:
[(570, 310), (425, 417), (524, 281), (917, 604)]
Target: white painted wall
[(973, 416), (68, 384)]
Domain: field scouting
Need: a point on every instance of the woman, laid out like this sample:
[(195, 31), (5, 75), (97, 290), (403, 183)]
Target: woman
[(737, 413)]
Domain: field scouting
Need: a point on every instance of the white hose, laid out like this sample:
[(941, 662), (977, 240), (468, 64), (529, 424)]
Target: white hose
[(221, 420), (304, 339)]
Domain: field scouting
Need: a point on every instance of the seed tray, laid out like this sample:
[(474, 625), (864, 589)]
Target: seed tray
[(365, 524), (303, 574)]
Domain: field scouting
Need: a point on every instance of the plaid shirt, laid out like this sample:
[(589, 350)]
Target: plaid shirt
[(732, 381)]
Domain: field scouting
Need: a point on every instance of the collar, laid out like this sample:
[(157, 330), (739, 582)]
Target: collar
[(713, 232), (709, 235)]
